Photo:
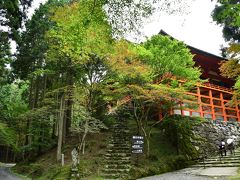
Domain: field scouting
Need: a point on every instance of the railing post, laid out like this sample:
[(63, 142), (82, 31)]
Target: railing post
[(212, 105), (199, 101), (223, 107)]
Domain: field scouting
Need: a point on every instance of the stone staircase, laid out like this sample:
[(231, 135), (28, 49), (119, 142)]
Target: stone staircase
[(117, 160), (230, 160)]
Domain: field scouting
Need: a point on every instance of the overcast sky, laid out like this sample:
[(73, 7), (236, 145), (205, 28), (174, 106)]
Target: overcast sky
[(196, 28)]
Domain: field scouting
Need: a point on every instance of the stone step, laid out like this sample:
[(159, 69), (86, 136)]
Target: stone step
[(120, 125), (121, 134), (126, 151), (123, 144), (120, 147), (120, 137), (121, 141), (216, 165), (117, 158), (113, 154), (235, 154), (228, 156), (114, 176), (220, 162), (120, 129), (120, 161), (222, 159), (117, 166), (111, 171), (123, 148)]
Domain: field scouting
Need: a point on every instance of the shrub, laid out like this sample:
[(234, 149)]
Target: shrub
[(178, 131)]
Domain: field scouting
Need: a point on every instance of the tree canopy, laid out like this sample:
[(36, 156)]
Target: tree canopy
[(75, 66), (227, 13)]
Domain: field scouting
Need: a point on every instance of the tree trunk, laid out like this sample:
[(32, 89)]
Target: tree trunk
[(84, 136), (31, 106), (69, 102), (148, 147), (60, 127)]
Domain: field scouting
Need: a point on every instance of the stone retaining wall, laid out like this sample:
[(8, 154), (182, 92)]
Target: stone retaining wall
[(211, 133)]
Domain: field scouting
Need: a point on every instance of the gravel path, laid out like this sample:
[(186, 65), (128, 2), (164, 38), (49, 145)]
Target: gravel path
[(178, 176), (196, 174), (5, 174)]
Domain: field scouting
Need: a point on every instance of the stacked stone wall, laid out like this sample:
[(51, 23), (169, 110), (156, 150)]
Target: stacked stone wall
[(209, 135)]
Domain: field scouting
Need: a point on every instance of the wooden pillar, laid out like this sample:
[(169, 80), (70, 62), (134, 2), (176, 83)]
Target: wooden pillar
[(212, 105), (223, 107), (199, 101), (160, 116), (181, 108), (237, 112)]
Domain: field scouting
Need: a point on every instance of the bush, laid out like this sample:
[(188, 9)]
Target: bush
[(177, 162), (178, 131)]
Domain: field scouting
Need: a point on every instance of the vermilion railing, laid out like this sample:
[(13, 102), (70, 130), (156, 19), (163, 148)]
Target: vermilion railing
[(216, 87), (212, 102)]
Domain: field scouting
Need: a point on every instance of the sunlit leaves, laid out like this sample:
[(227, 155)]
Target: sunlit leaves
[(230, 69), (227, 14), (125, 62), (166, 56), (81, 30), (7, 136)]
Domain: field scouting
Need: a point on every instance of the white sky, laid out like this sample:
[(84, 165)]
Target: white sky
[(196, 28)]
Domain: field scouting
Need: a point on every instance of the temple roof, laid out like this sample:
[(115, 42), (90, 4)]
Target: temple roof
[(209, 65), (196, 50)]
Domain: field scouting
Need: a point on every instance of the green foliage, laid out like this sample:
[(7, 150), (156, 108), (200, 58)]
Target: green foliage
[(13, 13), (69, 45), (163, 157), (37, 171), (7, 136), (227, 14), (5, 58), (32, 51), (57, 173), (12, 101), (167, 56), (39, 130), (83, 121), (82, 30), (178, 131)]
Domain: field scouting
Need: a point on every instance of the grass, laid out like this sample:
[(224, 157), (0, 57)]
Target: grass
[(163, 158), (46, 166)]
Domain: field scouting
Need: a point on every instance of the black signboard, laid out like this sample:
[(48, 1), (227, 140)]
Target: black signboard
[(137, 147)]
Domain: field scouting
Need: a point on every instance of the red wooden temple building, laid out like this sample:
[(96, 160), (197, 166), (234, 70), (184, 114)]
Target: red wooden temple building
[(213, 96)]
